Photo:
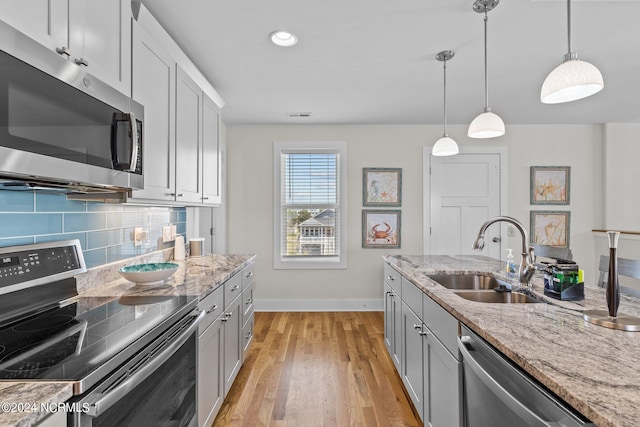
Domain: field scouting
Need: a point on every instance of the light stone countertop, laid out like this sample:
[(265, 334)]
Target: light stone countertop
[(196, 276), (594, 369)]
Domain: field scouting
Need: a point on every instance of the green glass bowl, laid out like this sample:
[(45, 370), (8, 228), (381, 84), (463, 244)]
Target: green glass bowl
[(148, 273)]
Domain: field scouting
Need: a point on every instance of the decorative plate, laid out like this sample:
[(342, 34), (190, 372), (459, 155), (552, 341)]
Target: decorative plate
[(148, 273)]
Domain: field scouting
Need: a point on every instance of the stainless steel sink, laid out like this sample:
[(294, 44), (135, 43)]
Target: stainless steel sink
[(467, 281), (496, 297)]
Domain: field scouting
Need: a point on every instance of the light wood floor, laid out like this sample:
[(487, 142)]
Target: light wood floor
[(317, 369)]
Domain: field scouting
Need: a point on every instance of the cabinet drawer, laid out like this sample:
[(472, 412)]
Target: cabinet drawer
[(412, 296), (232, 288), (247, 301), (213, 304), (443, 325), (247, 275), (247, 335), (392, 277)]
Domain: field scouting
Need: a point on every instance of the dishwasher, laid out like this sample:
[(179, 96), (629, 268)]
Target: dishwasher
[(499, 394)]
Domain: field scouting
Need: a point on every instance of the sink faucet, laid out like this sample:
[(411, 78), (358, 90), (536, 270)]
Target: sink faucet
[(527, 266)]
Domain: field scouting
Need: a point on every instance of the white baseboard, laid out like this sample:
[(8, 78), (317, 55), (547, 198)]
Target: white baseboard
[(319, 305)]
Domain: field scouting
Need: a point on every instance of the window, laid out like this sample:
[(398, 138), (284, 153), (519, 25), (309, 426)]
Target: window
[(310, 205)]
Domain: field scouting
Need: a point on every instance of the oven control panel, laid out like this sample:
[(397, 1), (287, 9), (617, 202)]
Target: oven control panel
[(45, 261)]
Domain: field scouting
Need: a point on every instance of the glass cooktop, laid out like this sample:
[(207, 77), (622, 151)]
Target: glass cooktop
[(72, 341)]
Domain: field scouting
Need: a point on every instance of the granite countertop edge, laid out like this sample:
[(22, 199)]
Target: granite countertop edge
[(198, 276), (578, 361)]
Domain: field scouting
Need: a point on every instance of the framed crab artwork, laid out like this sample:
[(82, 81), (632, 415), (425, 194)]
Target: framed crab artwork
[(381, 229), (382, 187)]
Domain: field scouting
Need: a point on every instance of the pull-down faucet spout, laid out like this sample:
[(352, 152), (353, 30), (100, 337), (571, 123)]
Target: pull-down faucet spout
[(527, 266)]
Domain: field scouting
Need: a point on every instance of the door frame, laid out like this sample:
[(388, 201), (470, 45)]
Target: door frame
[(426, 188)]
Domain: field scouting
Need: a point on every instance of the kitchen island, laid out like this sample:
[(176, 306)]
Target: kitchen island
[(197, 276), (593, 369)]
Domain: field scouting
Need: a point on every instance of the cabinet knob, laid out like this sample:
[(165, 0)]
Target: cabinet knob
[(212, 309), (229, 314), (63, 50), (249, 274), (248, 301), (417, 326), (393, 279), (81, 61), (180, 194), (205, 198), (248, 335), (235, 288)]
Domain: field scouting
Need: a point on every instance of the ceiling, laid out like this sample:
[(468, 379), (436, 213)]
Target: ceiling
[(373, 61)]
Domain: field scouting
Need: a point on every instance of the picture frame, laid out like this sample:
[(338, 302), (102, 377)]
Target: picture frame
[(550, 185), (382, 187), (551, 228), (381, 228)]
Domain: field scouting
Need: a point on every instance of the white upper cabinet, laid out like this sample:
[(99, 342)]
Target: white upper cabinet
[(211, 159), (188, 139), (100, 39), (95, 34), (153, 86)]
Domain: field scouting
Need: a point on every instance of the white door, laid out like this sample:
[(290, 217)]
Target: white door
[(465, 191)]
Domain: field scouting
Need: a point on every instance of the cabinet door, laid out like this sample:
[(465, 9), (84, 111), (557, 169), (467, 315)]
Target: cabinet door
[(397, 331), (188, 139), (154, 87), (210, 374), (412, 375), (100, 39), (45, 21), (388, 318), (233, 341), (247, 335), (211, 192), (444, 395)]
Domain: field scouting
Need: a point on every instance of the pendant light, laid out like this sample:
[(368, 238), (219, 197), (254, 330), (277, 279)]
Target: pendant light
[(573, 79), (487, 124), (445, 146)]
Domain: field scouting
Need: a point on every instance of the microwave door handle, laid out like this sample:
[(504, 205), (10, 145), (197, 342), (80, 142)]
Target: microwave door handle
[(134, 142), (108, 400), (500, 392)]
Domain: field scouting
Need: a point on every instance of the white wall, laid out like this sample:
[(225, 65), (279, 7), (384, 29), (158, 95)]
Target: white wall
[(250, 200)]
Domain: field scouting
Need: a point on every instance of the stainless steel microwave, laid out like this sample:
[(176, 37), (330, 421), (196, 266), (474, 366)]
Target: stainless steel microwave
[(60, 125)]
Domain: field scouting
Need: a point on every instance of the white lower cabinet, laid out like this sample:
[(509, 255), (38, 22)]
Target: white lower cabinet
[(429, 364), (222, 343), (210, 375), (412, 357), (393, 315), (442, 380)]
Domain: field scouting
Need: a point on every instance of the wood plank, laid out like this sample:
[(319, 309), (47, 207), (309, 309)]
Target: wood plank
[(317, 369)]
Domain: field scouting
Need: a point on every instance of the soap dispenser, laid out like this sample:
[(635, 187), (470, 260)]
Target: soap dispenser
[(510, 265)]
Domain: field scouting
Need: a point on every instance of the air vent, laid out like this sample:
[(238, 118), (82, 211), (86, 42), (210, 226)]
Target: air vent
[(301, 115)]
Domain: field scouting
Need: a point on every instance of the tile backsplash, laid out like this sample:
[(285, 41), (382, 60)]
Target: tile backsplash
[(105, 230)]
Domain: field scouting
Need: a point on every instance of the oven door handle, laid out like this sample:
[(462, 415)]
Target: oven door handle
[(503, 394), (113, 396)]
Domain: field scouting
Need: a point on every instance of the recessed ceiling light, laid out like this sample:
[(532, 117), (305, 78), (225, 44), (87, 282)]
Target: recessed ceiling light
[(283, 38)]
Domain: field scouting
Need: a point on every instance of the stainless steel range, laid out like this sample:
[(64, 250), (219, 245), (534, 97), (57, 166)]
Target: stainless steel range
[(131, 360)]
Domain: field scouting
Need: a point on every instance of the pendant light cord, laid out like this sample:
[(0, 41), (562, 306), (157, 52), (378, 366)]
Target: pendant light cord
[(569, 25), (486, 69), (444, 68)]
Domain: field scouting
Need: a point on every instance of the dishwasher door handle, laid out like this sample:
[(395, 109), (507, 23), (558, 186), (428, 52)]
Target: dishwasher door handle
[(503, 394)]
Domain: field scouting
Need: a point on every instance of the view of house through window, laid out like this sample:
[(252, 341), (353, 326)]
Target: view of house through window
[(309, 202)]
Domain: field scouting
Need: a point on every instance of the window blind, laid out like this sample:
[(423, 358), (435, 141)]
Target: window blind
[(310, 204)]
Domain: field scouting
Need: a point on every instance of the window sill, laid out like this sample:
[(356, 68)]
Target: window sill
[(310, 264)]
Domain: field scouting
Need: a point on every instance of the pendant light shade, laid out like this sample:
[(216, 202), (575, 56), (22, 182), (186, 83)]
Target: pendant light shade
[(445, 146), (487, 124), (570, 81), (573, 79)]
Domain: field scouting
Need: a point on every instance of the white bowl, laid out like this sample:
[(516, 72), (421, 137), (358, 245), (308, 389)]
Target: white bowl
[(148, 273)]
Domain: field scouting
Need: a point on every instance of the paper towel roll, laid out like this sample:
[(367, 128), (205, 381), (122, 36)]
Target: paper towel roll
[(178, 250)]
